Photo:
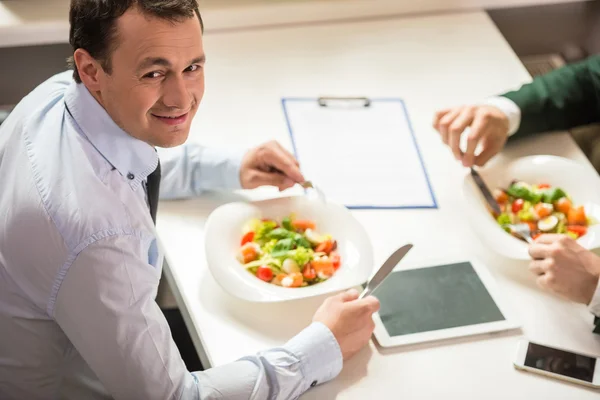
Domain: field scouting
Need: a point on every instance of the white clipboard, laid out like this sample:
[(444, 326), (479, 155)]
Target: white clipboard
[(361, 152)]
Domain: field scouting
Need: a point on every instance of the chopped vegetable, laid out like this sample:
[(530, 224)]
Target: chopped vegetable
[(248, 237), (578, 229), (576, 216), (292, 254), (264, 273), (572, 235), (544, 208), (500, 196), (563, 205), (517, 205), (303, 224)]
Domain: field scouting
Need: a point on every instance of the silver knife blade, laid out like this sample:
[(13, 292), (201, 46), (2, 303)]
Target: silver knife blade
[(489, 198), (385, 270)]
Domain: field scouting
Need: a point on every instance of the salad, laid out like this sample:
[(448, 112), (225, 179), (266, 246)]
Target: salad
[(290, 253), (544, 208)]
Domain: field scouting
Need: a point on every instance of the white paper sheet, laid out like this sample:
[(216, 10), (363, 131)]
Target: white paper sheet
[(362, 157)]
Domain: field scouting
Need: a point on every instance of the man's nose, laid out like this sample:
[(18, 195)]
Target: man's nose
[(175, 94)]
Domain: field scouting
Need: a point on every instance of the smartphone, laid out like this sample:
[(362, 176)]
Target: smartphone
[(583, 369)]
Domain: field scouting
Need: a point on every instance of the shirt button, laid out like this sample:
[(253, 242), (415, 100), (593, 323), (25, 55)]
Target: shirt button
[(130, 176), (313, 384)]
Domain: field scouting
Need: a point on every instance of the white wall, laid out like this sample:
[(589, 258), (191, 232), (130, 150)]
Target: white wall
[(26, 22)]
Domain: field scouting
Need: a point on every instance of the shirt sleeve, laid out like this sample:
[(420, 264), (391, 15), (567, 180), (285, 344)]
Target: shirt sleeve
[(191, 169), (106, 306), (510, 109)]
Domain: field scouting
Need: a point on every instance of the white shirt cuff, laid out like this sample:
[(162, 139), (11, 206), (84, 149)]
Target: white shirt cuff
[(319, 353), (508, 107), (594, 305)]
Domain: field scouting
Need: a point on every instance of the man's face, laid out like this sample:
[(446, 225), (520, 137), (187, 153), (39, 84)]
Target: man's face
[(157, 78)]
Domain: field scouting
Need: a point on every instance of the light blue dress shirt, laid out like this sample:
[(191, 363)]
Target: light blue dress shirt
[(80, 265)]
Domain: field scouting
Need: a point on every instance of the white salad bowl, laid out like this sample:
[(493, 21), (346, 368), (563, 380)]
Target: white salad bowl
[(581, 183), (224, 230)]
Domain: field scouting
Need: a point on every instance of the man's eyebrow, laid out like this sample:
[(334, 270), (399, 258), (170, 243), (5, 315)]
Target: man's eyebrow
[(152, 61), (163, 62), (198, 60)]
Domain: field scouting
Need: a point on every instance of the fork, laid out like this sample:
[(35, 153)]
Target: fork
[(522, 230), (309, 185)]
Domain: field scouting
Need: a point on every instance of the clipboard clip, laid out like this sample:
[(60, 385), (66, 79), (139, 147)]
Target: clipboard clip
[(328, 101)]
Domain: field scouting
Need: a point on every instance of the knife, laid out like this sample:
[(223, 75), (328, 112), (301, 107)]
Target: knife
[(385, 270), (486, 192)]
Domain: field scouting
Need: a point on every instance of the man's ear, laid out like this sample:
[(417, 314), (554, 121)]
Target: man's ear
[(89, 69)]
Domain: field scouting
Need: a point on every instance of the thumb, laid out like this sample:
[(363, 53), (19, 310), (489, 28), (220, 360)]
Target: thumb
[(349, 295)]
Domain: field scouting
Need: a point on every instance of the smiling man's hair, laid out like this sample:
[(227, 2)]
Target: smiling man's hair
[(94, 24)]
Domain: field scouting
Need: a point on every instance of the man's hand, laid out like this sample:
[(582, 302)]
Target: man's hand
[(350, 320), (270, 165), (489, 126), (565, 267)]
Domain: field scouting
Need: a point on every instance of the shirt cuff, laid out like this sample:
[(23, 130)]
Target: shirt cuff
[(594, 305), (510, 108), (319, 353)]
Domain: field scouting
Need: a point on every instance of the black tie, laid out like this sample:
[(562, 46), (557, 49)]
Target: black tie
[(153, 187)]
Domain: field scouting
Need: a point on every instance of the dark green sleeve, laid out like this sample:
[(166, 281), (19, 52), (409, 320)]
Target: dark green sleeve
[(562, 99), (597, 324)]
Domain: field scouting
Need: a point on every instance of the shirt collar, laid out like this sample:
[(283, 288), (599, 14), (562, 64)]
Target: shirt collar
[(133, 158)]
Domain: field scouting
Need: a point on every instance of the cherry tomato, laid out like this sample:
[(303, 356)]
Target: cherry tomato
[(325, 247), (578, 229), (576, 216), (336, 260), (248, 237), (563, 205), (517, 205), (303, 224), (265, 273), (309, 272), (543, 186)]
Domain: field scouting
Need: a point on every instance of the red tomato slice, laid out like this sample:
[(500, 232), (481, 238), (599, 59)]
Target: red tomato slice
[(543, 186), (517, 205), (309, 272), (578, 229), (248, 237), (264, 273), (335, 258)]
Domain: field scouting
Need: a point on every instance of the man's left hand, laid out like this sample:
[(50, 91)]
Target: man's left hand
[(565, 267), (270, 165)]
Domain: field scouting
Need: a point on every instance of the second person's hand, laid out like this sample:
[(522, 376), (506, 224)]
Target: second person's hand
[(488, 127)]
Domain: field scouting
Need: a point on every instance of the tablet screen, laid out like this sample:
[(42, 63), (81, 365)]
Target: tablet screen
[(434, 298)]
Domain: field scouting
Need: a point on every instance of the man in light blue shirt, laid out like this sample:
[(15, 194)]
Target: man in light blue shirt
[(79, 260)]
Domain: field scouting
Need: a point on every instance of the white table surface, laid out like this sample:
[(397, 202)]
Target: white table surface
[(430, 62)]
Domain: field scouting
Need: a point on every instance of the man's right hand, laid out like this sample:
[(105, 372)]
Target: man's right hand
[(488, 126), (349, 319)]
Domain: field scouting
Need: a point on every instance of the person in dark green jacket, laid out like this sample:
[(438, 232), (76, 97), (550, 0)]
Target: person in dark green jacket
[(562, 99)]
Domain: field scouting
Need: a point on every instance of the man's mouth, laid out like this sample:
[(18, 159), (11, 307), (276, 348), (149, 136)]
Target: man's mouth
[(172, 119)]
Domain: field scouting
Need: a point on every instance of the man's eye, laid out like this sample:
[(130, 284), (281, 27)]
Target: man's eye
[(152, 75), (193, 68)]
